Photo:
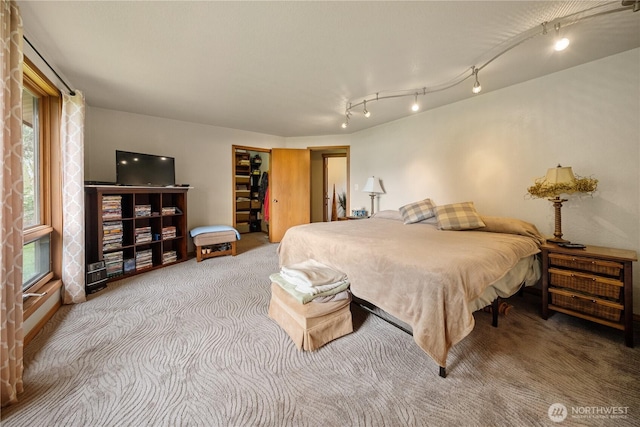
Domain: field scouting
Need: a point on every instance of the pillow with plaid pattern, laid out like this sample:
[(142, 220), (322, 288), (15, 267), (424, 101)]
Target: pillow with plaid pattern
[(458, 216), (417, 211)]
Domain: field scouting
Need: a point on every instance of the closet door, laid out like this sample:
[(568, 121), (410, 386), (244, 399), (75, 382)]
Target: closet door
[(290, 191)]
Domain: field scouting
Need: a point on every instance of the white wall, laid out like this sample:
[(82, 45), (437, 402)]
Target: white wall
[(203, 156), (490, 148)]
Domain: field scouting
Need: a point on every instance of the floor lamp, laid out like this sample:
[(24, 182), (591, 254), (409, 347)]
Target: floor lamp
[(373, 188)]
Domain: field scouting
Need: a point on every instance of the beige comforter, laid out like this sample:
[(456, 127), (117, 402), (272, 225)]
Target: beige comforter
[(421, 275)]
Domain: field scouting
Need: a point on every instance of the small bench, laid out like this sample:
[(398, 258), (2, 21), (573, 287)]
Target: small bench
[(310, 325), (211, 235)]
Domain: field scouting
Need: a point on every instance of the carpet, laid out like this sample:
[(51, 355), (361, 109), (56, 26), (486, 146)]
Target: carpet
[(191, 345)]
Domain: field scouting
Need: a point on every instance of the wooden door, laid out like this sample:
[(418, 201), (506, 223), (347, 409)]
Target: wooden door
[(289, 192)]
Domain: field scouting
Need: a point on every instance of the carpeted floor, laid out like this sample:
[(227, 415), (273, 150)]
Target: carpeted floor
[(191, 345)]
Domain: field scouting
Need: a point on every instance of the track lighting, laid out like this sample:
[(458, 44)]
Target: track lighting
[(347, 114), (476, 86), (561, 43), (415, 106), (345, 124)]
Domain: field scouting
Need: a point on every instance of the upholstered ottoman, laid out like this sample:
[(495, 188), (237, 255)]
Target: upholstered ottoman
[(310, 325), (213, 235)]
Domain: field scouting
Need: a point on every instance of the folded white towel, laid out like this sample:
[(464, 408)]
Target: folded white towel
[(335, 297), (311, 273), (314, 290)]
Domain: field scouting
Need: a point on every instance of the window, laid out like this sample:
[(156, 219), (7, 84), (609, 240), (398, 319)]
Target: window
[(40, 108), (30, 159)]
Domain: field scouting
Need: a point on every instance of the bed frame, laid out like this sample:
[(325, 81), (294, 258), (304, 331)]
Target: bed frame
[(370, 308)]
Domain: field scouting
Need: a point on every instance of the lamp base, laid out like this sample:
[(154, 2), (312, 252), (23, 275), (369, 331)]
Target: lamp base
[(557, 235), (373, 195), (557, 240)]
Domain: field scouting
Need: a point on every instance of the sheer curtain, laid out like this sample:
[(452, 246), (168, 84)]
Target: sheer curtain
[(72, 142), (11, 339)]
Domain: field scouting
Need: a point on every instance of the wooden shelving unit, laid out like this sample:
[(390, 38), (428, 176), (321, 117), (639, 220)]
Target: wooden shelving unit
[(242, 196), (135, 229), (255, 205)]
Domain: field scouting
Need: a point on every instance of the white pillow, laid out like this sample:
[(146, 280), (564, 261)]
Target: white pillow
[(388, 214)]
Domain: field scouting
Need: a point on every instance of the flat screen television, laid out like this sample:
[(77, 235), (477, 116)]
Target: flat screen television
[(144, 169)]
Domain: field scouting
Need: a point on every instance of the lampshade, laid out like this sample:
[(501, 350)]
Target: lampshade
[(372, 185), (560, 175), (562, 179)]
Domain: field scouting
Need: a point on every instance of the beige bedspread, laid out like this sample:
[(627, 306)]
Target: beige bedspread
[(421, 275)]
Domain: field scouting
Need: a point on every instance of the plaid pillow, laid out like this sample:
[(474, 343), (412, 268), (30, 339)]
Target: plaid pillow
[(458, 216), (414, 212)]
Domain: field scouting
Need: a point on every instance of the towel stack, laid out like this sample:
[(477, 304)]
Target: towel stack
[(312, 281)]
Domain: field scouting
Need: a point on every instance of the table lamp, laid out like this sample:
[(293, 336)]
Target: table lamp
[(560, 180), (373, 188)]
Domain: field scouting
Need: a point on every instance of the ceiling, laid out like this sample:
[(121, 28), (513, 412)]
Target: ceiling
[(290, 68)]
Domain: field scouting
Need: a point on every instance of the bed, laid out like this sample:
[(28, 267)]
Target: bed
[(428, 278)]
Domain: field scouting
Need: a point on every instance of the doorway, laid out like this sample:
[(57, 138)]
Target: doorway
[(329, 167), (250, 180)]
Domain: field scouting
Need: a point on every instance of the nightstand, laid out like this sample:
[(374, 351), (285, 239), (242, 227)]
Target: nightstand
[(594, 283)]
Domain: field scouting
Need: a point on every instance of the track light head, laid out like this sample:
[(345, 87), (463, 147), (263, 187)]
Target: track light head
[(415, 106), (347, 114), (476, 86), (366, 112), (561, 43)]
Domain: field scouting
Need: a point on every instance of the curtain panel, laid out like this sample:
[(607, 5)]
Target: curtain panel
[(11, 211), (72, 142)]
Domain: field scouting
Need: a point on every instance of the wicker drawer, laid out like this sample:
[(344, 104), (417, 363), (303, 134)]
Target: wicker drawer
[(594, 307), (586, 283), (609, 268), (242, 179), (255, 204), (242, 206), (242, 216)]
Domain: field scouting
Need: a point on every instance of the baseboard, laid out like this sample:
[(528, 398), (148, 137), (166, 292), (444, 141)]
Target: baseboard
[(41, 323)]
